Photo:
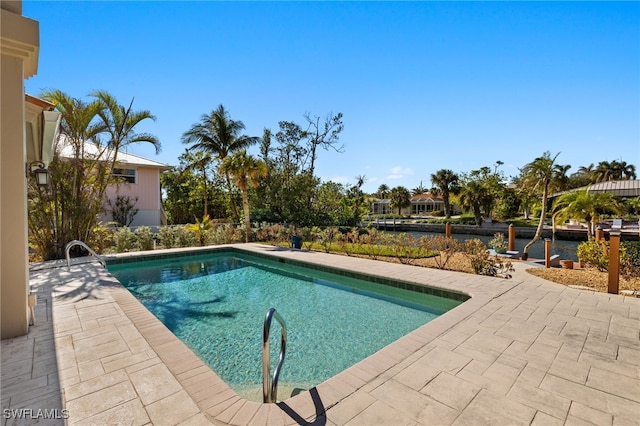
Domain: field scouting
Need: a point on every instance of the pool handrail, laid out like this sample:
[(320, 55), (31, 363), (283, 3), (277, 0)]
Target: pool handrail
[(81, 244), (269, 385)]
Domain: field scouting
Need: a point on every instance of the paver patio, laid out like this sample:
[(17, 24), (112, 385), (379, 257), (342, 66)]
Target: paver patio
[(520, 351)]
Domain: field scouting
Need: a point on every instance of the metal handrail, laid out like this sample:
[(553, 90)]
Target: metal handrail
[(269, 385), (82, 244)]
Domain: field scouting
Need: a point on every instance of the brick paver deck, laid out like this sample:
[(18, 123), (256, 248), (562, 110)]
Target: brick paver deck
[(520, 351)]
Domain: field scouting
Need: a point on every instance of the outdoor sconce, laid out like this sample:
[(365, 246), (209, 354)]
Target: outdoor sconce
[(41, 173)]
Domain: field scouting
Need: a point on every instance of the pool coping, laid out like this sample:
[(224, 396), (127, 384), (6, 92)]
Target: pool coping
[(222, 404), (535, 352)]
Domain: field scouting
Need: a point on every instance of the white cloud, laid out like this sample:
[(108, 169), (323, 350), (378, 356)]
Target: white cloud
[(398, 172)]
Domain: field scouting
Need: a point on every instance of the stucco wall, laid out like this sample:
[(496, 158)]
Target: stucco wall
[(19, 47)]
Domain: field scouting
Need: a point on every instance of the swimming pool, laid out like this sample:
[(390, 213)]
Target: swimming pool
[(216, 303)]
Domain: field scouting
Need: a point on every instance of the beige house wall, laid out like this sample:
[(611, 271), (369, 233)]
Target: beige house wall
[(19, 48)]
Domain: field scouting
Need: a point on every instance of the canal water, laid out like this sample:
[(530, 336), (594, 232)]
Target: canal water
[(565, 249)]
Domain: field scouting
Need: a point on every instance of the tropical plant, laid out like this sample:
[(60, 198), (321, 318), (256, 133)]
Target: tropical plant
[(499, 243), (586, 207), (471, 196), (542, 175), (399, 198), (418, 190), (634, 204), (614, 170), (201, 228), (446, 183), (245, 170), (382, 191), (79, 176), (218, 134), (594, 254)]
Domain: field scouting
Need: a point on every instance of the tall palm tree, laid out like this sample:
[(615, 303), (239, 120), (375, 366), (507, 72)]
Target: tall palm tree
[(218, 134), (382, 191), (446, 183), (585, 206), (68, 211), (246, 171), (542, 175), (120, 123), (399, 197)]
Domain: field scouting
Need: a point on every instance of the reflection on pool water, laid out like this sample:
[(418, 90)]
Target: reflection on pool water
[(216, 304)]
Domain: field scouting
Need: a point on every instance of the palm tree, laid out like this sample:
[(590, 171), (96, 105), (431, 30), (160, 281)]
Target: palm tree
[(246, 171), (542, 175), (218, 134), (382, 191), (201, 228), (634, 203), (614, 170), (120, 123), (585, 206), (445, 182), (399, 197), (472, 196), (420, 189)]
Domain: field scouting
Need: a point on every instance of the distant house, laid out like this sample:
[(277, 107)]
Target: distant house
[(421, 205), (139, 181), (619, 188)]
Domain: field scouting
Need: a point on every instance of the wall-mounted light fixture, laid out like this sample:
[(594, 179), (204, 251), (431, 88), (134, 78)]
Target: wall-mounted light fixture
[(41, 173)]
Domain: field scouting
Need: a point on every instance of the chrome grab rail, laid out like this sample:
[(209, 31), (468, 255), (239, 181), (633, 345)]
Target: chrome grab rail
[(81, 244), (270, 386)]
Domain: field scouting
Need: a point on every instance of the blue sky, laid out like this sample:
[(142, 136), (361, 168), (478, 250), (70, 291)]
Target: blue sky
[(422, 85)]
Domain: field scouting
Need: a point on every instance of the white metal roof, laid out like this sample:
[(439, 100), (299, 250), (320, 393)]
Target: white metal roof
[(124, 158)]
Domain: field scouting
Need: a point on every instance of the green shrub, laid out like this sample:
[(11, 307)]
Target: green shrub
[(168, 236), (630, 263), (144, 238), (185, 237), (631, 251), (101, 237), (124, 240), (594, 254)]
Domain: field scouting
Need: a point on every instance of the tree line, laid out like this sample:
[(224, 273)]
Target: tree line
[(217, 178)]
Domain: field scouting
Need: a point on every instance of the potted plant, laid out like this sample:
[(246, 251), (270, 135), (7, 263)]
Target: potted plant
[(498, 243)]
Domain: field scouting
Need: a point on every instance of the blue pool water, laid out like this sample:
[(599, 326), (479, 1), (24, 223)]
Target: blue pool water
[(216, 304)]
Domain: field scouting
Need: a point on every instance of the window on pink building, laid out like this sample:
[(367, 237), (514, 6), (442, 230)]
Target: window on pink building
[(124, 175)]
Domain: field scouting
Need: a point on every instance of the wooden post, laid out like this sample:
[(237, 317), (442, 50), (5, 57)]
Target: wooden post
[(512, 237), (599, 234), (547, 253), (614, 262), (447, 230)]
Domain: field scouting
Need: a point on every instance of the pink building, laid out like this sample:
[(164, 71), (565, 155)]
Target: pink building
[(141, 178), (140, 182)]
